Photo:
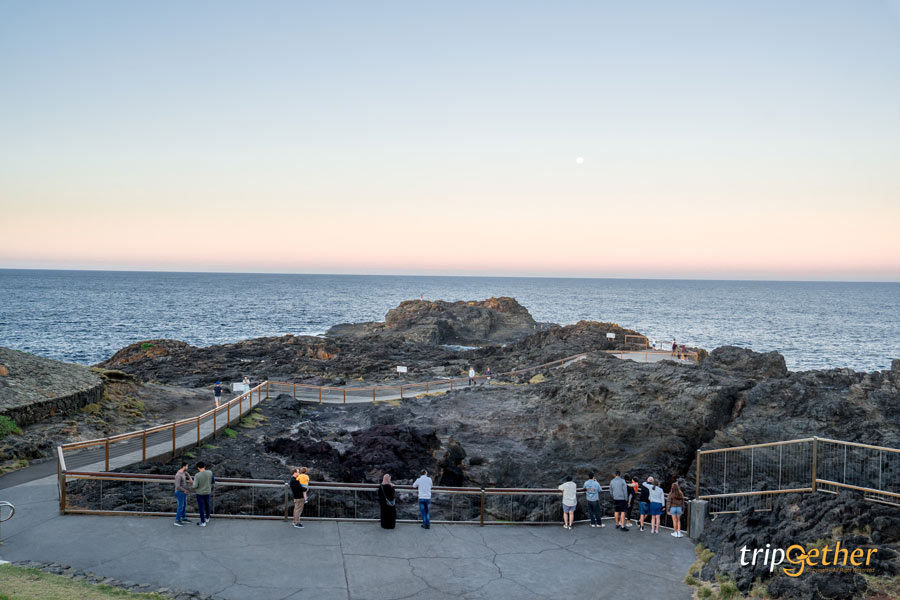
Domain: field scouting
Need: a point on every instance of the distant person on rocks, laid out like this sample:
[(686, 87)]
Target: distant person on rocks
[(424, 484), (634, 492), (592, 493), (675, 507), (471, 375), (644, 502), (674, 345), (246, 383), (489, 374), (202, 485), (569, 501), (618, 489), (182, 479), (298, 491), (387, 500), (217, 392), (657, 499)]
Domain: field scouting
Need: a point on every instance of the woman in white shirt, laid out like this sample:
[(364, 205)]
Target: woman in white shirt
[(657, 500)]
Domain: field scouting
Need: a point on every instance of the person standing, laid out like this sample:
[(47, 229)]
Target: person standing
[(202, 485), (181, 491), (424, 484), (569, 501), (675, 506), (657, 499), (471, 375), (674, 346), (634, 491), (298, 490), (246, 383), (387, 500), (644, 502), (592, 494), (217, 392), (618, 489), (489, 374)]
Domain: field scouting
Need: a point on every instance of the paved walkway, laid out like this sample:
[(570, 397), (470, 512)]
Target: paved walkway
[(237, 559)]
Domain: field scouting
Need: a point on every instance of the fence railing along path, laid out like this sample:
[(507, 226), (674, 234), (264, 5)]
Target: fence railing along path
[(733, 479), (113, 452), (150, 495), (381, 393)]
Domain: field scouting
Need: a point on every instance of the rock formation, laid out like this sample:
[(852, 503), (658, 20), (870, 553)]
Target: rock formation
[(491, 321), (33, 388)]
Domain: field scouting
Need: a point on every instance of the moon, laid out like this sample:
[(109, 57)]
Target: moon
[(579, 160)]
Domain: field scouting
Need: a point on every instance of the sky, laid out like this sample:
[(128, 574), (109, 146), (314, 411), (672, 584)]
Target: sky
[(754, 140)]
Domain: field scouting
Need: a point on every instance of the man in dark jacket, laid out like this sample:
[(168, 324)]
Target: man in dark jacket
[(299, 492)]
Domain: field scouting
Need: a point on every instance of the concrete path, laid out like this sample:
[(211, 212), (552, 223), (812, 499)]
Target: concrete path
[(238, 559)]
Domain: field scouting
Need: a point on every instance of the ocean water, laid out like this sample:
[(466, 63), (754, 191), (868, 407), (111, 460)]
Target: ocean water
[(85, 316)]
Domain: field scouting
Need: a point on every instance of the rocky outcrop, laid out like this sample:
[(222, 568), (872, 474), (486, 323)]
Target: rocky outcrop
[(810, 520), (491, 321), (35, 388)]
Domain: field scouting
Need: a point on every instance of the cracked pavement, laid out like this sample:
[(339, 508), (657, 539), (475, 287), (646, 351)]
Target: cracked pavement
[(270, 560)]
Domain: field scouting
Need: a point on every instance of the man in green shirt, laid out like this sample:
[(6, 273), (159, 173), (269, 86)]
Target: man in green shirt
[(202, 485)]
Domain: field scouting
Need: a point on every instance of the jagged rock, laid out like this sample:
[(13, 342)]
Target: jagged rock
[(495, 320), (748, 362)]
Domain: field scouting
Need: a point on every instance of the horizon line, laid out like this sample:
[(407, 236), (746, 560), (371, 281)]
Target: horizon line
[(456, 276)]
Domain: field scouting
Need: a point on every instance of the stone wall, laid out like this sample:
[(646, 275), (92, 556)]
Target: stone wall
[(33, 388)]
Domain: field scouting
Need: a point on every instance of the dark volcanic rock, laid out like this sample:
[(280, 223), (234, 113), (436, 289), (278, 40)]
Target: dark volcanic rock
[(808, 520), (747, 362), (495, 320)]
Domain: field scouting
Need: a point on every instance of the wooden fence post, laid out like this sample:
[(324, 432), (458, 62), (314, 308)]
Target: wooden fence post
[(173, 440), (144, 445), (107, 455)]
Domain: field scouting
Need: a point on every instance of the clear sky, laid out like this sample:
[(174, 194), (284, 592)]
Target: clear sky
[(719, 139)]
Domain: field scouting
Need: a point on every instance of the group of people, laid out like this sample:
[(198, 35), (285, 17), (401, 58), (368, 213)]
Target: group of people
[(648, 497), (217, 389), (201, 485)]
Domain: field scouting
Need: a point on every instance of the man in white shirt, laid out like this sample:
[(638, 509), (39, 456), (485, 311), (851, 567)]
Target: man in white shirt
[(423, 484), (569, 501), (471, 375)]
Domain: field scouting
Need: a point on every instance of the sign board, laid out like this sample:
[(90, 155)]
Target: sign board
[(610, 336), (401, 369), (240, 388)]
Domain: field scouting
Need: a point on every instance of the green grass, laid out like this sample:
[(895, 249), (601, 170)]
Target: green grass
[(229, 432), (537, 379), (8, 426), (209, 447), (146, 346), (30, 584), (728, 590)]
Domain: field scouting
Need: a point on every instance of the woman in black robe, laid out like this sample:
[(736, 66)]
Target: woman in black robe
[(387, 500)]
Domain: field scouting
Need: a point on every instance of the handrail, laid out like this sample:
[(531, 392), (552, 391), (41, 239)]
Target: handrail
[(12, 510), (815, 462)]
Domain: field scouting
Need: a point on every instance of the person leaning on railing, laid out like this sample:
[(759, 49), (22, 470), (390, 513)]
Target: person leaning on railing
[(299, 486)]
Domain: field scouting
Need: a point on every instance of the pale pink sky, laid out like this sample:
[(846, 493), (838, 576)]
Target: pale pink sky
[(357, 140)]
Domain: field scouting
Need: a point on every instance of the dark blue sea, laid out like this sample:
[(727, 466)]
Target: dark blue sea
[(85, 316)]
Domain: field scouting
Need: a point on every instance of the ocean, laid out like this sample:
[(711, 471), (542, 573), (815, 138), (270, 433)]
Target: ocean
[(85, 316)]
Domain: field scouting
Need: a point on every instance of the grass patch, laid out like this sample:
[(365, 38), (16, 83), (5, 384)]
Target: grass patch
[(30, 584), (883, 586), (728, 590), (209, 447), (537, 379), (13, 465), (8, 427), (91, 409), (229, 432), (253, 420), (189, 455), (146, 346)]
